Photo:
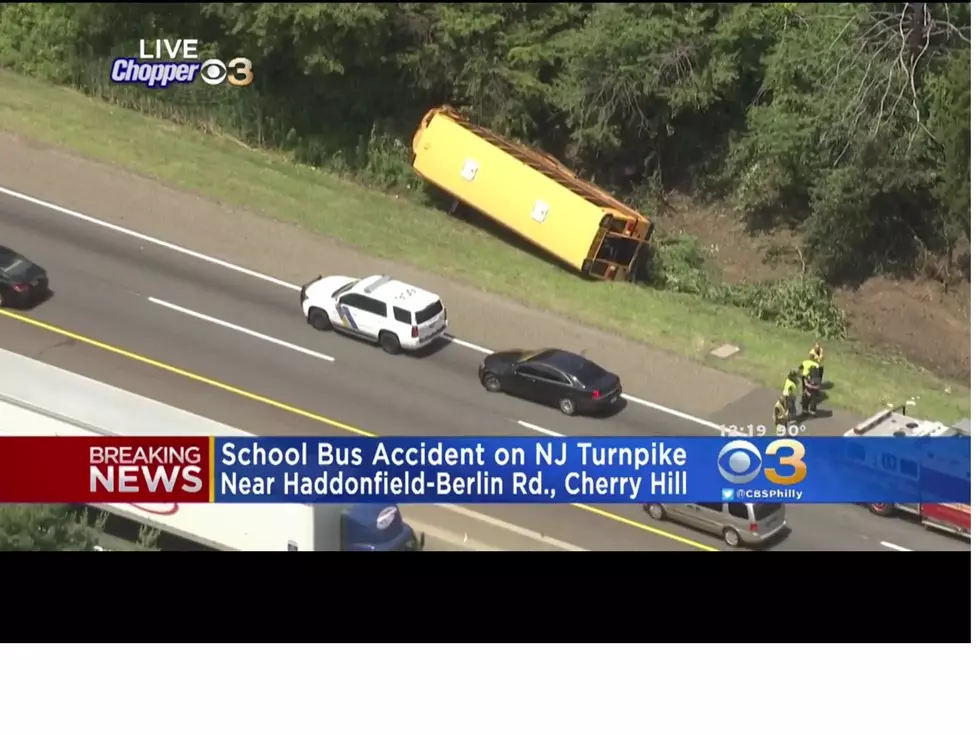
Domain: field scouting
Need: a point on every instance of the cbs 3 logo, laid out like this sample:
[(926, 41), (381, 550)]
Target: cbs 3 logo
[(740, 462), (238, 72)]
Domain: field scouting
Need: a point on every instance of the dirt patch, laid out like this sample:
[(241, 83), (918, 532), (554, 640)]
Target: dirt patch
[(736, 253), (915, 320)]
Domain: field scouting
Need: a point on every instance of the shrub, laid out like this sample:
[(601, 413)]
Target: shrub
[(677, 264)]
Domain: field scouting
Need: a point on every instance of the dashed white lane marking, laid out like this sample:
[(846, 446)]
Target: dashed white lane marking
[(293, 287), (539, 429), (242, 330), (893, 547), (468, 345)]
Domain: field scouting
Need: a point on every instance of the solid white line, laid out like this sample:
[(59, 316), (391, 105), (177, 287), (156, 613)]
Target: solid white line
[(518, 530), (147, 238), (539, 429), (243, 330), (679, 414), (893, 547), (292, 286)]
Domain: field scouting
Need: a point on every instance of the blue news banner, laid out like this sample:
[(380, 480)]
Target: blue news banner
[(591, 470)]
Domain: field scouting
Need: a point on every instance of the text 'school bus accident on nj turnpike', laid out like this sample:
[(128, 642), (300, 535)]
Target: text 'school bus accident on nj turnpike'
[(490, 469)]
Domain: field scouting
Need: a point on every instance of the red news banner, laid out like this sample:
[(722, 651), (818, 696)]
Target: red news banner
[(81, 469)]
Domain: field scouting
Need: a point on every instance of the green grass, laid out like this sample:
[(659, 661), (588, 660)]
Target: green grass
[(388, 227)]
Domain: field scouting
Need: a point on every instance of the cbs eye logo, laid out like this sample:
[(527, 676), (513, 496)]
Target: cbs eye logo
[(740, 462), (237, 72)]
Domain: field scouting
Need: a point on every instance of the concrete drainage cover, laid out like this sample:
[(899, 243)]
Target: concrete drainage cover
[(725, 351)]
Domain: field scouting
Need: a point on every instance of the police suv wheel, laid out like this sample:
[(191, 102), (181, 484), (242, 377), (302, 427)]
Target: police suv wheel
[(319, 320), (1, 297), (491, 382), (390, 343), (731, 537), (654, 510), (567, 406)]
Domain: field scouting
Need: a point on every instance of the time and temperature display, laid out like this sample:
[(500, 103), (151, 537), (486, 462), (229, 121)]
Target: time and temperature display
[(761, 430)]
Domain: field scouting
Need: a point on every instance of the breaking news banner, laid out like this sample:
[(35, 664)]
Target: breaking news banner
[(591, 470), (486, 470), (76, 469)]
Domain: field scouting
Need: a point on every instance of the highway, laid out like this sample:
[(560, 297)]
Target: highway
[(236, 348)]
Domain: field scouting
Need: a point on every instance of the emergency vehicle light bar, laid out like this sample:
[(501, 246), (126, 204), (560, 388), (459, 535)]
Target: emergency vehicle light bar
[(875, 420), (380, 281)]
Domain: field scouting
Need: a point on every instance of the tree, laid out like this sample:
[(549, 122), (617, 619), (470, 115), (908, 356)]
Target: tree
[(949, 123), (846, 121), (838, 141), (46, 527)]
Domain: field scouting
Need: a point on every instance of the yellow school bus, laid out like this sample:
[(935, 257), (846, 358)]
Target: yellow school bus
[(531, 194)]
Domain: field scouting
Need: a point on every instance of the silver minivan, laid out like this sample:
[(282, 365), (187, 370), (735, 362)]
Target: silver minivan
[(737, 523)]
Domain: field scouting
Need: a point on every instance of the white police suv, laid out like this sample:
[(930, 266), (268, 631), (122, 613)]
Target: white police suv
[(377, 308)]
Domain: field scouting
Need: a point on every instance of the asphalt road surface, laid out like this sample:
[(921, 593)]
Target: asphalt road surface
[(272, 374)]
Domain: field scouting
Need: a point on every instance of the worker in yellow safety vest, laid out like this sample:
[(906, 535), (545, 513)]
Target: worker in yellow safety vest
[(809, 369), (816, 354), (811, 374), (787, 398), (779, 413)]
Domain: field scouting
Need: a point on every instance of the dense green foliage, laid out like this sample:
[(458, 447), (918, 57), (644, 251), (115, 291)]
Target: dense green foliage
[(46, 528), (847, 121), (61, 527)]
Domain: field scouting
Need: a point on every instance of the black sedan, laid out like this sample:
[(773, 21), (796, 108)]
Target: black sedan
[(553, 377), (22, 282)]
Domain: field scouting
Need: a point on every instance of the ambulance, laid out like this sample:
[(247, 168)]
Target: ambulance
[(931, 466)]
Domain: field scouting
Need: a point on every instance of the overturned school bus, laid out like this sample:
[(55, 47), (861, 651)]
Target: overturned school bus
[(531, 194)]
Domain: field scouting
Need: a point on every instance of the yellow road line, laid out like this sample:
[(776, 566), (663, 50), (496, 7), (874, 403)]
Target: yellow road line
[(186, 374), (643, 527), (298, 411)]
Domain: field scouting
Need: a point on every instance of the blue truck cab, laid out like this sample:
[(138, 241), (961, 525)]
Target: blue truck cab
[(363, 527)]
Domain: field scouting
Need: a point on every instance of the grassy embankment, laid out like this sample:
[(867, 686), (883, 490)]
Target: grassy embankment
[(391, 228)]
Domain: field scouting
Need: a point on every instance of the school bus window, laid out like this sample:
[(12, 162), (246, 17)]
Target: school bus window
[(617, 225)]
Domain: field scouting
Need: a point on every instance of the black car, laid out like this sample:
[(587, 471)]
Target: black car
[(22, 282), (553, 377)]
